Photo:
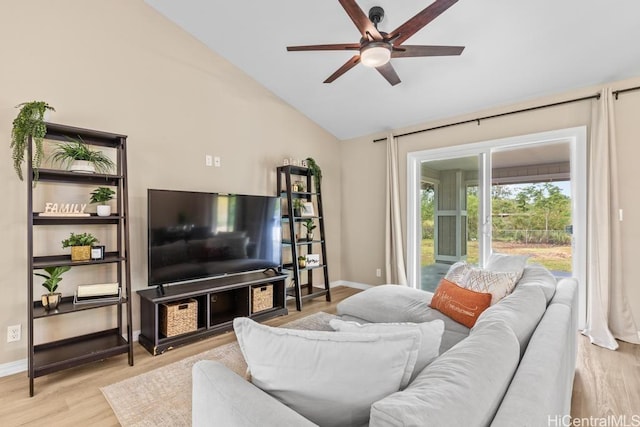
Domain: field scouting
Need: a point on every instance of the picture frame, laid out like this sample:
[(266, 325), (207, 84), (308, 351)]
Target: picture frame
[(307, 209), (313, 260), (97, 252)]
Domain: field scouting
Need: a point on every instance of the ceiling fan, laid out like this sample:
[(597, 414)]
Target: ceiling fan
[(376, 48)]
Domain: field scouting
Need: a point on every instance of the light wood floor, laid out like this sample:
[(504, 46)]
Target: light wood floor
[(607, 383)]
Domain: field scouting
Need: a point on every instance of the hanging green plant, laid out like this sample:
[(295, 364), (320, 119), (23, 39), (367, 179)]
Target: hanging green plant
[(315, 171), (29, 123)]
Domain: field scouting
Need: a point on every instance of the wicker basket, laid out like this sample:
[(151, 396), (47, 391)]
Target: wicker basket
[(261, 298), (178, 317)]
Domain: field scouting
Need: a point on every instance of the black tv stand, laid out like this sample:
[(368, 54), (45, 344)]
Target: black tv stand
[(219, 301)]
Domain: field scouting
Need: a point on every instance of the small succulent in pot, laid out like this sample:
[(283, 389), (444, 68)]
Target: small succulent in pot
[(310, 226), (53, 276), (101, 195), (77, 156), (298, 204), (302, 261)]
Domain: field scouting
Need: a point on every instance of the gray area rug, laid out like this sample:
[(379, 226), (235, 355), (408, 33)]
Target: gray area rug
[(162, 397)]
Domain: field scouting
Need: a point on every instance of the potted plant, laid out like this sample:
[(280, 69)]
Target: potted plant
[(298, 204), (315, 171), (77, 156), (309, 225), (53, 276), (80, 246), (302, 261), (101, 195), (29, 123)]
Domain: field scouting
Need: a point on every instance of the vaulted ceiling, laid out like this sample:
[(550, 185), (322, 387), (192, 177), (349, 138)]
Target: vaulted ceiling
[(515, 50)]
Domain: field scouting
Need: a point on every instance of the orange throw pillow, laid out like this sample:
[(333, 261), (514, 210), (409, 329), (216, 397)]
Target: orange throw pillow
[(460, 304)]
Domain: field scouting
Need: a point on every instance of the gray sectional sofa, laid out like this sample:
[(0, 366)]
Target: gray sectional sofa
[(515, 367)]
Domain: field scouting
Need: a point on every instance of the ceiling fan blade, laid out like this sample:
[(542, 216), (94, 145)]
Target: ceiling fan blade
[(410, 51), (389, 73), (415, 24), (346, 67), (362, 21), (343, 46)]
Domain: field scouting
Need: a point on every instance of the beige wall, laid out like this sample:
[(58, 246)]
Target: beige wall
[(363, 174), (121, 67)]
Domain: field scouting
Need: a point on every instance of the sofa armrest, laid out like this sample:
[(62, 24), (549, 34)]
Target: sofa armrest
[(221, 397), (540, 391)]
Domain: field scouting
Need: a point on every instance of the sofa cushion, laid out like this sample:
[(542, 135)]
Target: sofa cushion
[(539, 276), (521, 311), (462, 305), (395, 303), (463, 387), (387, 304), (223, 398), (310, 371), (431, 333)]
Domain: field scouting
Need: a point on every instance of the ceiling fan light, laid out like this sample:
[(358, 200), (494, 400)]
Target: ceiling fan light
[(375, 55)]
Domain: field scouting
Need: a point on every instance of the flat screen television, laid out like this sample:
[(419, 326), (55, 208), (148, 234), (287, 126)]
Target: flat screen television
[(196, 235)]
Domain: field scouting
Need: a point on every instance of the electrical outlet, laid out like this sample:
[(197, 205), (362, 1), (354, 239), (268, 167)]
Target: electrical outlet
[(378, 272), (13, 333), (208, 160)]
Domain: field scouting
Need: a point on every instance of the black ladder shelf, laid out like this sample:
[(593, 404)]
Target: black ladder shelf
[(296, 182), (105, 340)]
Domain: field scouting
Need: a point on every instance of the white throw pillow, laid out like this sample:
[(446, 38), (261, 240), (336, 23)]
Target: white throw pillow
[(457, 271), (498, 284), (330, 378), (507, 263), (431, 333)]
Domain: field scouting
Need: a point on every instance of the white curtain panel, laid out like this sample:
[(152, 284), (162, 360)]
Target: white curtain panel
[(608, 311), (394, 257)]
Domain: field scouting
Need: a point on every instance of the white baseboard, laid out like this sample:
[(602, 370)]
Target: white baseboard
[(11, 368), (355, 285), (18, 366)]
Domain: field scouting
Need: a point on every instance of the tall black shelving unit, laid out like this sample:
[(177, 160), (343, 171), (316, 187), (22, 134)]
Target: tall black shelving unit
[(295, 244), (49, 357)]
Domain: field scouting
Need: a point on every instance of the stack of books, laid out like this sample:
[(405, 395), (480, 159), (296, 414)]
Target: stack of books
[(99, 293)]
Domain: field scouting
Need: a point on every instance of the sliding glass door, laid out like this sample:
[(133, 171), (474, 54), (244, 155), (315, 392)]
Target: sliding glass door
[(531, 204), (521, 195), (448, 212)]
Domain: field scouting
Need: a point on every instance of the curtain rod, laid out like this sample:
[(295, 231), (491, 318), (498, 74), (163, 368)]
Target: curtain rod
[(555, 104)]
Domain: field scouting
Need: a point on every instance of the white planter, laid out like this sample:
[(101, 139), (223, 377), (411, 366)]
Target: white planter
[(82, 166), (104, 210)]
